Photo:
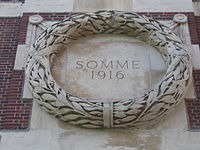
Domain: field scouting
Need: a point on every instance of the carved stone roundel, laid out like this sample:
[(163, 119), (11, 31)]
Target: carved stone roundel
[(134, 112)]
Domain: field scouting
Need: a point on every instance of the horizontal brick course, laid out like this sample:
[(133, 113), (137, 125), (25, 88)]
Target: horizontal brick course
[(13, 109), (197, 19), (196, 76), (193, 105), (193, 112)]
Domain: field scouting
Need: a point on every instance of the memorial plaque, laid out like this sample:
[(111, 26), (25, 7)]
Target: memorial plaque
[(86, 78), (108, 67)]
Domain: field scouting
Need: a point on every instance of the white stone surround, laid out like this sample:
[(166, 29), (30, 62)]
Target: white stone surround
[(196, 7), (10, 9), (48, 6), (162, 6)]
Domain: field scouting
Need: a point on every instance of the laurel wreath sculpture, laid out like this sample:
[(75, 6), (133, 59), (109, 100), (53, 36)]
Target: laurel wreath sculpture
[(133, 112)]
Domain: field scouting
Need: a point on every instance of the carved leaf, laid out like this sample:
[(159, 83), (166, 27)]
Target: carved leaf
[(133, 111), (163, 86), (69, 117), (156, 107), (78, 107), (136, 106), (47, 96), (127, 119), (75, 99), (168, 99), (148, 116), (34, 83), (62, 111)]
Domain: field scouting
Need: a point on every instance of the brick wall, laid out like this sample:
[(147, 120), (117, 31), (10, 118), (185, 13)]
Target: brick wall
[(197, 20), (14, 111), (193, 109), (196, 76), (193, 105)]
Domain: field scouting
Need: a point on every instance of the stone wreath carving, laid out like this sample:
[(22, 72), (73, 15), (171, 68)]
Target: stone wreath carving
[(88, 113)]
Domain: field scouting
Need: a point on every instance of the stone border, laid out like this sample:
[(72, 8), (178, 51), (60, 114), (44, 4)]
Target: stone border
[(89, 113)]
